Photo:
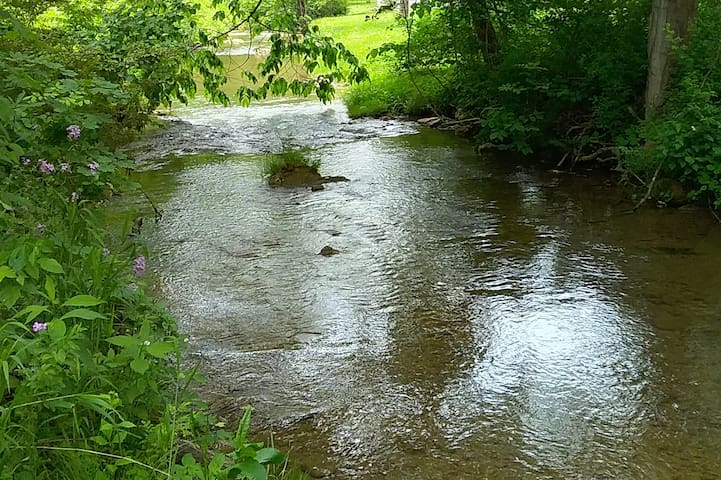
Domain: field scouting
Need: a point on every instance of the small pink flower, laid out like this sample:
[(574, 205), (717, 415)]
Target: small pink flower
[(38, 326), (46, 167), (93, 166), (139, 265), (73, 132)]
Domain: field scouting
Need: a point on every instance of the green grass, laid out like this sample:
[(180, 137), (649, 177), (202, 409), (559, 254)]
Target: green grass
[(394, 94), (359, 35), (274, 163), (389, 92)]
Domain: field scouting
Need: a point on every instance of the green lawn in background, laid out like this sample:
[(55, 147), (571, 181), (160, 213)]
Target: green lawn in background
[(361, 33)]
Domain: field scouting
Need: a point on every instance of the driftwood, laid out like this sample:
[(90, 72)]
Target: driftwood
[(594, 156)]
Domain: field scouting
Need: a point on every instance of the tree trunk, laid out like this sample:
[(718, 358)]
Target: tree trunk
[(485, 33), (667, 16), (301, 8)]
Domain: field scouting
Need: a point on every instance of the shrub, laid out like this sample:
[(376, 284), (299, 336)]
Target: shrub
[(326, 8)]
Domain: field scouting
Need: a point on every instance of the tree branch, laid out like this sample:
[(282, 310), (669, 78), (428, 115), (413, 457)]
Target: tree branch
[(234, 27), (650, 187)]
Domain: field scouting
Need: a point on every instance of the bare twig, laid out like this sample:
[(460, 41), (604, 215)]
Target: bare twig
[(637, 177), (713, 210), (650, 187), (598, 153), (565, 156), (158, 213)]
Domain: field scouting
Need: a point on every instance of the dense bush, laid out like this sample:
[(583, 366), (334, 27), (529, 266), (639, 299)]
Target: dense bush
[(326, 8), (684, 140), (563, 76)]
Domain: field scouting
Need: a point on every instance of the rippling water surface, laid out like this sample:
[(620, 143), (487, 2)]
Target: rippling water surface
[(484, 319)]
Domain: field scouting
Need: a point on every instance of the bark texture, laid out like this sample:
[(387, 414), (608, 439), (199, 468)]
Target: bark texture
[(300, 6), (485, 32), (667, 17)]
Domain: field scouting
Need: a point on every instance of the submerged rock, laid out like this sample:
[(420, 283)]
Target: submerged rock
[(296, 176), (333, 179), (302, 176), (328, 251)]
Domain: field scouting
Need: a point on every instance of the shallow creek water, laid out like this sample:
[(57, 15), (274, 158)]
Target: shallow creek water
[(486, 318)]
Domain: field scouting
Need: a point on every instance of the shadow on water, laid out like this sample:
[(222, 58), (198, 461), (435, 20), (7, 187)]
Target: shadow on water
[(485, 318)]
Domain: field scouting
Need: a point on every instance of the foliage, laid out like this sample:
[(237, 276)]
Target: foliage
[(684, 140), (273, 164), (363, 30), (565, 76), (90, 379), (326, 8), (395, 94)]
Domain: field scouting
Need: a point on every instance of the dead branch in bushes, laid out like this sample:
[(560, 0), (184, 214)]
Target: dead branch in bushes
[(650, 187), (713, 210)]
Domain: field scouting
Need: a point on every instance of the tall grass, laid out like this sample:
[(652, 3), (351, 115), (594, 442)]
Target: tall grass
[(274, 163)]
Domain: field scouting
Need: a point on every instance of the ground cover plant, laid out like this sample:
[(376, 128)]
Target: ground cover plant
[(91, 378)]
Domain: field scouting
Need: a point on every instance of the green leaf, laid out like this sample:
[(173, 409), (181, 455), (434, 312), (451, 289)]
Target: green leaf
[(32, 312), (83, 301), (50, 265), (243, 427), (144, 332), (57, 329), (124, 341), (83, 313), (253, 470), (50, 288), (6, 272), (160, 349), (9, 295), (140, 365), (269, 455)]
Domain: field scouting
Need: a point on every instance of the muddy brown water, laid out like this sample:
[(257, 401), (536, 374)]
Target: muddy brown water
[(484, 319)]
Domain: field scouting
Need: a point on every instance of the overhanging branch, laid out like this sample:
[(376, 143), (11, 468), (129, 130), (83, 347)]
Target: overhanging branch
[(236, 26)]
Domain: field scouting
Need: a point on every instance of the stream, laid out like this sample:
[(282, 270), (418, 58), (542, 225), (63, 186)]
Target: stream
[(486, 318)]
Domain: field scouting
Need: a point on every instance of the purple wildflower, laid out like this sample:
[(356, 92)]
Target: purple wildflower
[(40, 229), (25, 161), (46, 167), (139, 265), (37, 326), (73, 132), (93, 166), (64, 167), (74, 197)]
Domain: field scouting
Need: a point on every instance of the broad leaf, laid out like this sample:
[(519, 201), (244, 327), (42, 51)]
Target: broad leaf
[(83, 301), (50, 265), (83, 313), (160, 349)]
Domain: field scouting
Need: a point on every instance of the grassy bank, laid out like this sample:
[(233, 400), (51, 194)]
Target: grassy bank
[(392, 89)]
